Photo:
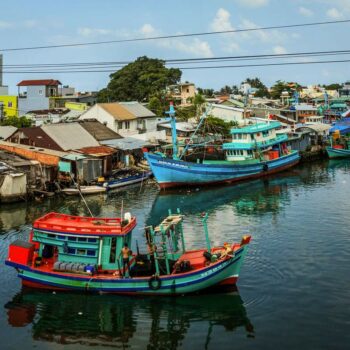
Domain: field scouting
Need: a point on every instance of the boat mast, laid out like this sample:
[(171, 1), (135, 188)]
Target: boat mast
[(171, 113)]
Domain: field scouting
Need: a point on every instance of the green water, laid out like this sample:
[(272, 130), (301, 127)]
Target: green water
[(293, 290)]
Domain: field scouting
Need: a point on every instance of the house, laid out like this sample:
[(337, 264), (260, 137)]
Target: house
[(230, 114), (184, 130), (34, 136), (125, 118), (6, 132), (181, 93), (45, 116), (37, 94), (8, 106), (70, 136)]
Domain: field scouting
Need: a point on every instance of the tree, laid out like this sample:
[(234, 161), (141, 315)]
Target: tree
[(206, 92), (262, 90), (218, 126), (226, 90), (334, 86), (278, 87), (18, 122), (139, 80), (156, 106)]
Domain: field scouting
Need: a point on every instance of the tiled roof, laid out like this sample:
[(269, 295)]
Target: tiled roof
[(98, 150), (137, 109), (117, 111), (46, 82)]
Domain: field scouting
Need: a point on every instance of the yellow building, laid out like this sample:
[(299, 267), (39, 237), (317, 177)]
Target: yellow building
[(9, 104), (76, 106)]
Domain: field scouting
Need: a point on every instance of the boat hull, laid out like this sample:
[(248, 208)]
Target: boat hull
[(84, 190), (127, 181), (337, 153), (220, 273), (176, 173)]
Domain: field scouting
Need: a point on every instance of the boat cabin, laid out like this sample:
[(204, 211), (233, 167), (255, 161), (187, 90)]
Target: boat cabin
[(248, 142), (77, 244)]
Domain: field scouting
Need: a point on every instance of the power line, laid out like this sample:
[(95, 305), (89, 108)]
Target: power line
[(118, 64), (190, 68), (175, 36)]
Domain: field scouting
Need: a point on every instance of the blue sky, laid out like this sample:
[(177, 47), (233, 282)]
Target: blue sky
[(32, 23)]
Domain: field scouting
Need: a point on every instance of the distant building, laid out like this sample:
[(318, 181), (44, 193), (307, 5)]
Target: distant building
[(8, 106), (345, 90), (36, 94), (229, 113), (181, 93), (125, 118)]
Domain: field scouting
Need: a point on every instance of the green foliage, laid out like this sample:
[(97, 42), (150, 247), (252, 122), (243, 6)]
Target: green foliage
[(334, 86), (140, 80), (258, 84), (185, 113), (206, 92), (279, 86), (156, 106), (218, 126), (18, 122)]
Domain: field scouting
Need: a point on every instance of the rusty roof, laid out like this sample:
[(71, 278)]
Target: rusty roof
[(46, 82), (117, 111), (98, 151)]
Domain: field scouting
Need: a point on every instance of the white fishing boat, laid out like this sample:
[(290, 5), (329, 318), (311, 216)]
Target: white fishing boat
[(84, 190)]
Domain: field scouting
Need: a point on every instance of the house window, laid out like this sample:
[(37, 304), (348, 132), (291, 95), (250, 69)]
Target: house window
[(120, 125), (127, 125), (9, 104), (40, 92)]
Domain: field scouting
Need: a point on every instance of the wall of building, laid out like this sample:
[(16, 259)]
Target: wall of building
[(35, 100), (226, 114), (10, 107)]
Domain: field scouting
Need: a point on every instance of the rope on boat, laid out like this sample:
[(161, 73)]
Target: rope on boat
[(81, 194)]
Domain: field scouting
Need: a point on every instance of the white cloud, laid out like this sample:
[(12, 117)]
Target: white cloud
[(334, 13), (279, 50), (147, 30), (221, 21), (4, 25), (305, 11), (253, 3), (93, 32)]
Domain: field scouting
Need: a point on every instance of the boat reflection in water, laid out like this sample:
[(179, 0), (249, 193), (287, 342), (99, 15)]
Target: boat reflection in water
[(119, 321)]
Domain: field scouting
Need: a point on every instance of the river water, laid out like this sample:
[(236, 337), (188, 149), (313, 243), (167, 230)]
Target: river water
[(293, 291)]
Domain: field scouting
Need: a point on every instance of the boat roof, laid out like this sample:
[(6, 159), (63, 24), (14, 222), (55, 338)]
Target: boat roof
[(69, 224), (258, 127)]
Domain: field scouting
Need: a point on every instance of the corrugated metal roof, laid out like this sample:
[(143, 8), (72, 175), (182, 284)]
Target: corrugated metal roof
[(98, 130), (46, 82), (70, 136), (74, 156), (6, 131), (315, 127), (127, 143), (117, 111), (38, 138), (137, 109)]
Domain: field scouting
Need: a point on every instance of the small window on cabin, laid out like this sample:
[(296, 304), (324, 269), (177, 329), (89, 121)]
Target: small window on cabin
[(51, 235), (73, 239), (82, 239), (113, 254), (241, 152), (71, 251), (92, 240), (63, 238), (265, 133), (81, 251), (91, 252)]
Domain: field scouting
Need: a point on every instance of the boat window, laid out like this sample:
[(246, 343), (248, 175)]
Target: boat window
[(51, 236), (70, 238), (113, 250), (90, 252), (81, 239), (265, 133), (71, 251), (63, 238), (81, 251), (241, 152), (92, 240)]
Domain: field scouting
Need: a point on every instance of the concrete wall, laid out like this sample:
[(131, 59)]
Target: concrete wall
[(36, 99), (226, 114)]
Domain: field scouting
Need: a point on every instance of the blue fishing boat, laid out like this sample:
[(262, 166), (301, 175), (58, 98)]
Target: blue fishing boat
[(125, 177), (255, 151)]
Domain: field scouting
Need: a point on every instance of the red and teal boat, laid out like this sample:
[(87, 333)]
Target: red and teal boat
[(67, 252)]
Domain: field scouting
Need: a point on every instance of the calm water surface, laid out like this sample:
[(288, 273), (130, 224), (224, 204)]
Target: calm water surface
[(294, 287)]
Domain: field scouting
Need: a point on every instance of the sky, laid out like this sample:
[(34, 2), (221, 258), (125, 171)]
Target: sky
[(34, 23)]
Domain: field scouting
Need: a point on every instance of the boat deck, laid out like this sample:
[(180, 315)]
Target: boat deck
[(83, 225)]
